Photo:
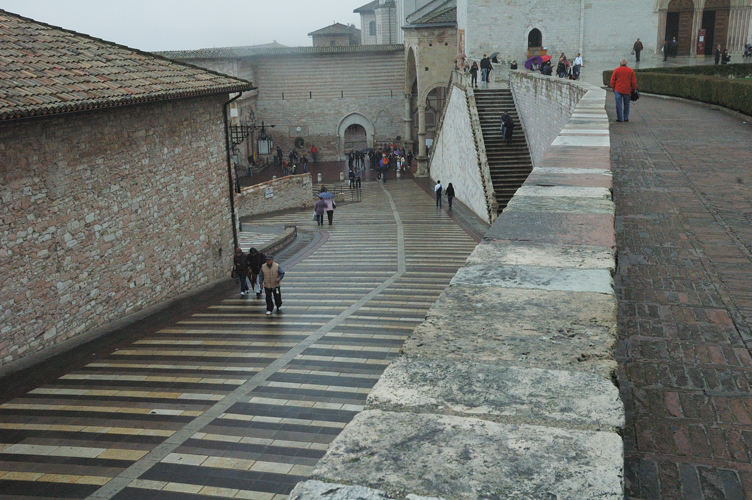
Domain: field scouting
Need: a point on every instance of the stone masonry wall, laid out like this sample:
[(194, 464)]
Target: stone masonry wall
[(294, 191), (106, 213), (507, 389), (544, 104), (455, 158), (316, 92)]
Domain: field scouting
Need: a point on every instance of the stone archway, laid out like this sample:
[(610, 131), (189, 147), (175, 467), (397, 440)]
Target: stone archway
[(679, 19), (348, 130)]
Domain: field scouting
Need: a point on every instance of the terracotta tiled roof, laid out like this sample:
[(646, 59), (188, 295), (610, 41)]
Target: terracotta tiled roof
[(219, 52), (336, 29), (280, 51), (47, 70)]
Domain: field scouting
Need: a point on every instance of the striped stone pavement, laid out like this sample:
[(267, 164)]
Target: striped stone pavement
[(230, 403)]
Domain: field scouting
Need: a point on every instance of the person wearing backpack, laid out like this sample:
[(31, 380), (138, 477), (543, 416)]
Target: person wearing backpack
[(438, 188)]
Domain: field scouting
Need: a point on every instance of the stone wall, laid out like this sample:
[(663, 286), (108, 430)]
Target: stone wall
[(545, 104), (317, 92), (455, 158), (294, 191), (507, 389), (106, 213), (504, 26)]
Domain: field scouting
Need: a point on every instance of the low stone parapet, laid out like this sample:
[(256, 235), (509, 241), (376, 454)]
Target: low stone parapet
[(507, 389), (293, 191)]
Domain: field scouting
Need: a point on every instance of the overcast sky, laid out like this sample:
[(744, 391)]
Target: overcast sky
[(154, 25)]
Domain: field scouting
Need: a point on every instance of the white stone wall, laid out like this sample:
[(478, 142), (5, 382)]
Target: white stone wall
[(454, 157), (365, 34), (544, 104), (293, 191), (610, 27)]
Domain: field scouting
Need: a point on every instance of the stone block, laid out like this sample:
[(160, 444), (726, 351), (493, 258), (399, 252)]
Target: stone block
[(467, 458), (560, 204), (557, 228), (517, 327), (538, 278), (500, 393), (531, 254), (565, 191)]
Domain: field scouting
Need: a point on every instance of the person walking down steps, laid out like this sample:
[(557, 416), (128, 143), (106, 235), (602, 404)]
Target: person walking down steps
[(255, 260), (271, 276), (450, 194), (438, 188), (240, 268)]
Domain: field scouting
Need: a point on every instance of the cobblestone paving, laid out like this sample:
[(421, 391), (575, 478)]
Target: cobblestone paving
[(682, 176), (230, 403)]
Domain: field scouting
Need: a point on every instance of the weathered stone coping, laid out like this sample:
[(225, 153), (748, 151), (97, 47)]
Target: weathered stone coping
[(507, 389)]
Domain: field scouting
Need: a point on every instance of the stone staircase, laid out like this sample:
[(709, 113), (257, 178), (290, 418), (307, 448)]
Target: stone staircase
[(509, 164)]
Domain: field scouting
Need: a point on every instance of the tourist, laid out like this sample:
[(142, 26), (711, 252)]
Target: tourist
[(507, 127), (485, 69), (438, 188), (636, 49), (624, 82), (512, 67), (358, 173), (304, 164), (279, 155), (255, 260), (271, 276), (725, 57), (330, 206), (383, 167), (547, 69), (351, 178), (240, 267), (410, 153), (665, 49), (319, 208), (450, 194), (561, 68), (474, 75), (717, 54), (577, 67), (314, 153), (674, 47)]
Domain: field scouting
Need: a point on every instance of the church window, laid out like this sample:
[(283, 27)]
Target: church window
[(372, 28), (535, 39)]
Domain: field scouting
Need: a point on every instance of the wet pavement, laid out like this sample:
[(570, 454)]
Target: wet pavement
[(213, 398), (682, 177)]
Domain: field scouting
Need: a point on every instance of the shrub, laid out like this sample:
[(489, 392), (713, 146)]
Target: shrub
[(733, 93)]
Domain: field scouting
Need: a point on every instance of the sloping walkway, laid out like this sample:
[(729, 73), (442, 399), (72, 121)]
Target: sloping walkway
[(682, 177), (230, 403)]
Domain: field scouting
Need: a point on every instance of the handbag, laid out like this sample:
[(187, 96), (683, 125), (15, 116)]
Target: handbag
[(315, 215), (334, 205), (635, 95)]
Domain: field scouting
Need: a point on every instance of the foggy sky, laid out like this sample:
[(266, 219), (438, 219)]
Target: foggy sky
[(155, 25)]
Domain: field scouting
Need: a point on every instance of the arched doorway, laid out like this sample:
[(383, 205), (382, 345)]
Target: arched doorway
[(534, 42), (434, 105), (679, 24), (355, 137), (715, 21)]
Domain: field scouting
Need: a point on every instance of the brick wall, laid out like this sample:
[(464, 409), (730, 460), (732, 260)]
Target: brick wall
[(288, 192), (545, 105), (106, 213), (454, 157)]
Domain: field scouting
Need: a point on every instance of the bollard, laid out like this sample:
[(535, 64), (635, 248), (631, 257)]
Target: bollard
[(341, 176), (398, 174), (274, 177), (320, 177)]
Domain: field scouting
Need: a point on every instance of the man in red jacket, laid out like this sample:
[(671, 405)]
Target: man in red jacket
[(624, 82)]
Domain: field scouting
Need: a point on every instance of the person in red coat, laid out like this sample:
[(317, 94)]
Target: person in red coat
[(624, 82)]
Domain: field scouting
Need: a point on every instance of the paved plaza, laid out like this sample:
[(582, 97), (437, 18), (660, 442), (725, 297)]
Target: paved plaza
[(226, 402), (682, 176)]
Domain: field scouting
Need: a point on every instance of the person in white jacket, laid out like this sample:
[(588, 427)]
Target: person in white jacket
[(577, 66)]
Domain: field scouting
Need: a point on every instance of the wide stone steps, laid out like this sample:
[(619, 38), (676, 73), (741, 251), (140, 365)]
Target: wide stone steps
[(510, 164)]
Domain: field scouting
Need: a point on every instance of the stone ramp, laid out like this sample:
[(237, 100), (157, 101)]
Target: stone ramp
[(507, 389)]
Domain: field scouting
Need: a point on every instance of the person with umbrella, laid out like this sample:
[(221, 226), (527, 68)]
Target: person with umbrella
[(330, 205)]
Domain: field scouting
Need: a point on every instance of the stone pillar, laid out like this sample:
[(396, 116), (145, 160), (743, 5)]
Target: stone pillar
[(696, 25), (422, 157), (407, 120)]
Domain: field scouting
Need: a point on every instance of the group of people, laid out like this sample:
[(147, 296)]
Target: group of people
[(325, 204), (564, 67), (257, 270), (290, 166), (484, 69), (439, 189)]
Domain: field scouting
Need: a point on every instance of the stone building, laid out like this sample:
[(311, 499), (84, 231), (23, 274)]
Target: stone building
[(336, 97), (336, 34), (113, 180)]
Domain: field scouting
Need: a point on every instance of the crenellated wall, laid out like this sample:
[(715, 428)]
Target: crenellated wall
[(507, 389)]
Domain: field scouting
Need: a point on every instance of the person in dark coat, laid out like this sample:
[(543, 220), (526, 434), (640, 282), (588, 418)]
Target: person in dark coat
[(547, 69), (485, 69), (507, 126), (717, 54), (674, 45), (474, 75), (512, 67), (637, 48), (450, 194), (665, 49), (240, 264), (725, 57), (254, 262)]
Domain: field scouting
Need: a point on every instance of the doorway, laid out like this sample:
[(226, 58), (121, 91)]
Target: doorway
[(679, 24), (715, 19), (356, 137)]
